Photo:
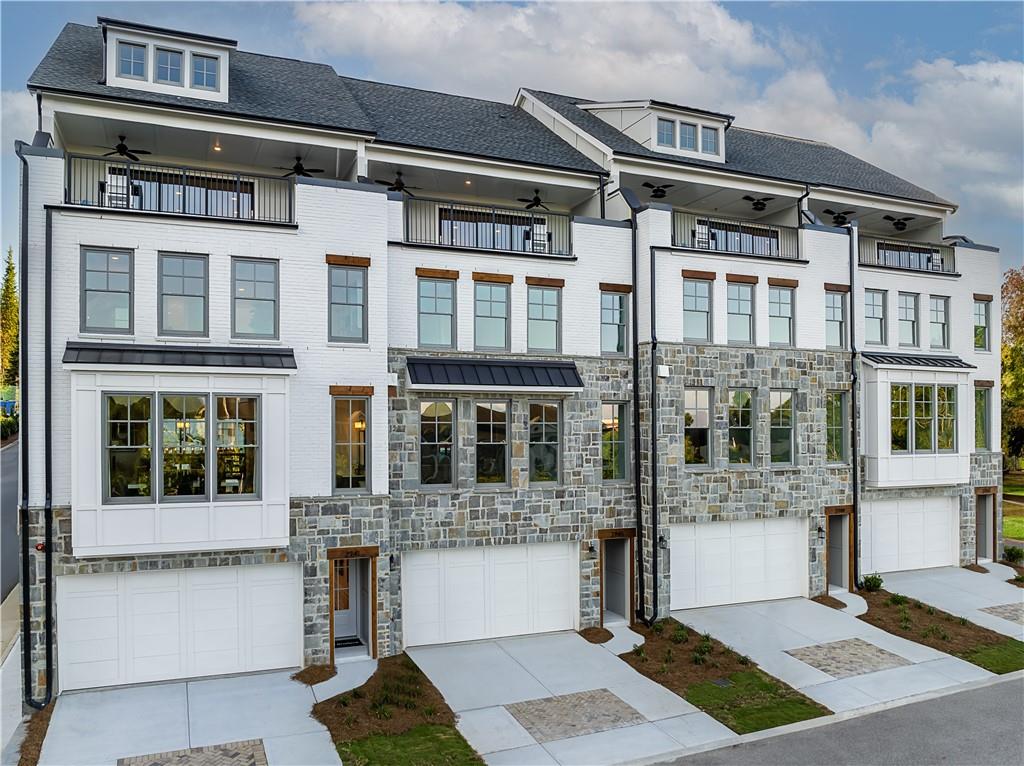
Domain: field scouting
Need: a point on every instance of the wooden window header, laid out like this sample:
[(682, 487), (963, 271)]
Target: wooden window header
[(835, 287), (986, 490), (355, 552), (392, 392), (779, 282), (837, 510), (984, 384), (351, 390), (615, 534), (347, 260), (691, 274), (436, 273), (545, 282), (483, 276), (983, 297), (745, 278), (611, 287)]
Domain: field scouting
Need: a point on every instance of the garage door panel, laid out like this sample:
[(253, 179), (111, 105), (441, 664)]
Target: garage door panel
[(911, 533), (554, 591)]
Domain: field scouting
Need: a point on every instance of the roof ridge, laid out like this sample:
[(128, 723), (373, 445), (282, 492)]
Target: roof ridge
[(426, 90)]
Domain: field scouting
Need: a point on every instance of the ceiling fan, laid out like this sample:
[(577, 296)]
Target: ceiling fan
[(900, 224), (123, 150), (839, 219), (535, 202), (298, 169), (759, 203), (398, 185), (657, 192)]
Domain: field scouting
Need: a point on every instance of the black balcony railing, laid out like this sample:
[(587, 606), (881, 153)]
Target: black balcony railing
[(722, 235), (120, 184), (487, 227), (901, 254)]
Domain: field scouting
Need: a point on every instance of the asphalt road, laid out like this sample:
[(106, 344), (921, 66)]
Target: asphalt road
[(981, 727), (9, 549)]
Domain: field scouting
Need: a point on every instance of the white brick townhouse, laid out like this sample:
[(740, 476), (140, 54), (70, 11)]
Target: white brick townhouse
[(317, 367)]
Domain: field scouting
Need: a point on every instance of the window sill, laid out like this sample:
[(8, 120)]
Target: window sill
[(701, 468), (257, 341), (617, 482), (111, 335), (182, 339), (348, 344)]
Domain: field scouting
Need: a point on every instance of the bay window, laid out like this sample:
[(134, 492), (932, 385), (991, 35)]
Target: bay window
[(128, 432), (183, 446), (923, 418)]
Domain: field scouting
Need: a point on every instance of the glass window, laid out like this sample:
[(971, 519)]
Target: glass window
[(129, 456), (688, 136), (347, 304), (614, 447), (874, 317), (666, 132), (709, 140), (204, 71), (168, 66), (542, 328), (106, 291), (492, 442), (924, 418), (183, 445), (544, 441), (981, 325), (697, 426), (908, 319), (131, 60), (835, 320), (437, 313), (613, 323), (981, 418), (780, 316), (254, 308), (696, 309), (183, 281), (741, 312), (835, 426), (781, 404), (945, 418), (741, 426), (437, 445), (490, 324), (938, 310), (237, 429), (351, 427), (899, 417)]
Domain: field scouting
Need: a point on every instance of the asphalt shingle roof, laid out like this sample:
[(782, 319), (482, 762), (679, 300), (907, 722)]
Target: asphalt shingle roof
[(756, 153)]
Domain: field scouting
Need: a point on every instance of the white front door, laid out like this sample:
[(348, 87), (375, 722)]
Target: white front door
[(910, 533)]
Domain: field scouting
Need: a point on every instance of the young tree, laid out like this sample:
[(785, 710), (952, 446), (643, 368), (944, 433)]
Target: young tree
[(9, 322), (1012, 353)]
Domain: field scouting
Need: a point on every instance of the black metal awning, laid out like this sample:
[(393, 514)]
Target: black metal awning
[(129, 354), (433, 373), (916, 360)]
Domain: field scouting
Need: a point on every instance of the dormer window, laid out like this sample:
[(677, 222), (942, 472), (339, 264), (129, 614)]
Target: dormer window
[(688, 136), (666, 132), (131, 61), (709, 140), (168, 66), (204, 72)]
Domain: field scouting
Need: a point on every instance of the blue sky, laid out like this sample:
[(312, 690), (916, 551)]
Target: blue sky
[(913, 87)]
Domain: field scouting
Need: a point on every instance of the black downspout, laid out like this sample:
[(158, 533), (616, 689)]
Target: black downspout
[(854, 411), (655, 538), (637, 478), (48, 452), (601, 191)]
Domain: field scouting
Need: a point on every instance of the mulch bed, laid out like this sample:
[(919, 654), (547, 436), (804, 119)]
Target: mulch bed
[(976, 568), (395, 699), (596, 635), (831, 601), (1020, 573), (35, 733), (315, 674)]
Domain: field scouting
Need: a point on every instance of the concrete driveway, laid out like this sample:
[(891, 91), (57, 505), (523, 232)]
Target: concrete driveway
[(984, 599), (99, 727), (831, 656), (558, 699)]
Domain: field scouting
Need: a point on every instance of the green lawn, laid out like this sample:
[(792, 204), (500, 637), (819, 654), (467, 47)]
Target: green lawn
[(424, 745), (999, 658), (1013, 526), (753, 702), (1013, 484)]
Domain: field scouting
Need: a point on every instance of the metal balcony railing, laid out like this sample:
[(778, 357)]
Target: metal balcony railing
[(901, 254), (722, 235), (120, 184), (488, 227)]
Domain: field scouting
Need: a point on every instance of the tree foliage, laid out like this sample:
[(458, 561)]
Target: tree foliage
[(1012, 353), (9, 322)]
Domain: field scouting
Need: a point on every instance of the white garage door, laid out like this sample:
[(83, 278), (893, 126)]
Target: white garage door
[(154, 626), (909, 534), (464, 594), (729, 562)]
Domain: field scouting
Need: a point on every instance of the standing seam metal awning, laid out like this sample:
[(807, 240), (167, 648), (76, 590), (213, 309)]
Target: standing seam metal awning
[(875, 359), (131, 354), (436, 373)]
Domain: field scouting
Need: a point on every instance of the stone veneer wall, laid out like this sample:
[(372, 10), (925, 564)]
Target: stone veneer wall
[(721, 492)]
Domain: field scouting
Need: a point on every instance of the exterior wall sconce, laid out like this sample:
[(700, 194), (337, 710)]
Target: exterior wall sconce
[(821, 532), (591, 549), (662, 542)]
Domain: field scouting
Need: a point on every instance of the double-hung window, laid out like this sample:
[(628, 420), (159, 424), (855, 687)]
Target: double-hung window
[(254, 298), (131, 61), (491, 442), (543, 325), (666, 132), (923, 418), (614, 446), (205, 72), (351, 427), (688, 136), (945, 418), (981, 317), (545, 442), (835, 319), (183, 294), (938, 314), (835, 426), (741, 426), (183, 445), (168, 66), (781, 406), (437, 442), (899, 417), (437, 313), (874, 317), (128, 439), (107, 291), (613, 323), (238, 446), (697, 310), (741, 312), (490, 317), (697, 426), (780, 316), (908, 319), (347, 297), (982, 397), (709, 140)]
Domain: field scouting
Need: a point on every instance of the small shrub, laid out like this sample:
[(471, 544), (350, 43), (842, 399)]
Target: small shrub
[(663, 669), (698, 658), (8, 425), (706, 638), (930, 610), (704, 647), (872, 583), (658, 627), (934, 631), (381, 712), (679, 635), (917, 605), (1018, 578), (904, 618), (897, 600), (962, 620), (744, 659), (1014, 554), (668, 655), (429, 711), (343, 700), (358, 694), (639, 651)]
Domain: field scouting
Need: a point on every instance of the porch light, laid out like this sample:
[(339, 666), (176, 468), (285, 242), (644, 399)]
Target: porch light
[(821, 532), (216, 144), (591, 549), (662, 542), (468, 182)]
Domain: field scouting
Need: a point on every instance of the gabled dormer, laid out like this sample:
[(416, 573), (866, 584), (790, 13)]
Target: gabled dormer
[(158, 60), (668, 128)]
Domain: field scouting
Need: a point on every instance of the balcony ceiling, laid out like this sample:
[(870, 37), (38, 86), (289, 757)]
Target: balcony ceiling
[(872, 219), (726, 202)]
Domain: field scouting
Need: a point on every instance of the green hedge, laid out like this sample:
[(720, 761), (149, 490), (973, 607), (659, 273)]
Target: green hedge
[(8, 425)]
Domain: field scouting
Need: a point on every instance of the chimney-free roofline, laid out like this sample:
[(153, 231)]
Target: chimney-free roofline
[(106, 21)]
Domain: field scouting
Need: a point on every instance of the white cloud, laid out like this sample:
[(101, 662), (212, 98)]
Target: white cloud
[(18, 108)]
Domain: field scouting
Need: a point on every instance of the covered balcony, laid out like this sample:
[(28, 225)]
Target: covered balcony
[(700, 231), (906, 255)]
